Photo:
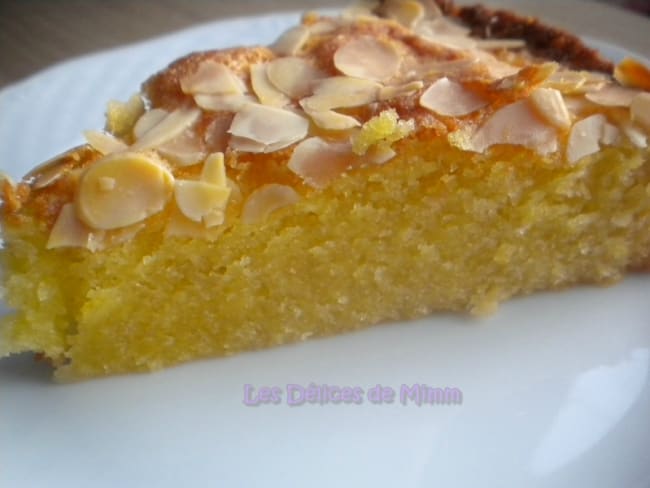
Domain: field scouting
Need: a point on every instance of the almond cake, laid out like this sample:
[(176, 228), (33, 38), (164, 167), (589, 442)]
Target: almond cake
[(403, 158)]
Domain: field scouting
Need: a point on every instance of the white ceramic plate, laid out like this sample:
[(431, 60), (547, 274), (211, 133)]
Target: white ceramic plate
[(555, 387)]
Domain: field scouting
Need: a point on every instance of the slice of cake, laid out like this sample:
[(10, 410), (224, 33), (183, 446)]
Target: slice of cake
[(404, 158)]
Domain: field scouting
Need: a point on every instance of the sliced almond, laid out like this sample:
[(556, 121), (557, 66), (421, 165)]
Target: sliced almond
[(636, 135), (331, 120), (68, 230), (633, 73), (266, 200), (174, 124), (406, 12), (369, 58), (269, 125), (214, 170), (380, 154), (395, 91), (612, 96), (497, 44), (148, 121), (104, 143), (640, 109), (318, 162), (324, 26), (212, 78), (341, 92), (496, 69), (516, 124), (53, 169), (226, 103), (442, 25), (585, 137), (184, 150), (293, 76), (450, 98), (574, 82), (611, 135), (266, 92), (291, 41), (198, 199), (549, 103), (141, 188)]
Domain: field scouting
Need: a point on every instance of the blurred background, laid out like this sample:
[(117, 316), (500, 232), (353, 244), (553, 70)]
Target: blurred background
[(37, 33)]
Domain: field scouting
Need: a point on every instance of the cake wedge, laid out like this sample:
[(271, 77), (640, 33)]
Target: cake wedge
[(383, 165)]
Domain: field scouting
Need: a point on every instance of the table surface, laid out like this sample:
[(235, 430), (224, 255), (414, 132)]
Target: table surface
[(35, 34)]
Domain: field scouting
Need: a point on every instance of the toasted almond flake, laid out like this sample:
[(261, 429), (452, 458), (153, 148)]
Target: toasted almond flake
[(266, 200), (142, 186), (550, 105), (369, 58), (496, 44), (380, 154), (51, 170), (450, 98), (68, 230), (103, 142), (227, 103), (640, 109), (318, 162), (214, 170), (575, 82), (515, 124), (341, 92), (452, 42), (635, 134), (212, 78), (406, 12), (174, 124), (148, 121), (269, 125), (266, 92), (244, 144), (293, 76), (331, 120), (321, 27), (611, 135), (495, 68), (612, 96), (633, 73), (198, 199), (184, 150), (395, 91), (291, 41), (585, 137), (447, 26)]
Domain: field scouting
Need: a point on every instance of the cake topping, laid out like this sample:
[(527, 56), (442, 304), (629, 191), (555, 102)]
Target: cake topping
[(366, 57), (148, 121), (103, 142), (212, 78), (170, 126), (289, 43), (139, 187), (269, 126), (266, 92), (266, 200), (341, 92), (550, 104), (640, 109), (450, 98), (585, 137), (517, 124), (68, 230), (293, 76), (612, 96), (318, 162)]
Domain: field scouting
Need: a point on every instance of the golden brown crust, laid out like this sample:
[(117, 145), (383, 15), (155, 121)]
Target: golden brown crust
[(543, 40)]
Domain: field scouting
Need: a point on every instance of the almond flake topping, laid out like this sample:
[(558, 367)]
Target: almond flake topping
[(227, 103), (612, 96), (172, 125), (585, 137), (395, 91), (635, 134), (516, 124), (266, 200), (368, 58), (148, 121), (122, 189), (318, 162), (640, 109), (68, 230), (266, 92), (290, 42), (331, 120), (103, 142), (549, 103), (341, 92), (293, 76), (269, 125), (212, 78), (449, 98), (200, 199), (406, 12)]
